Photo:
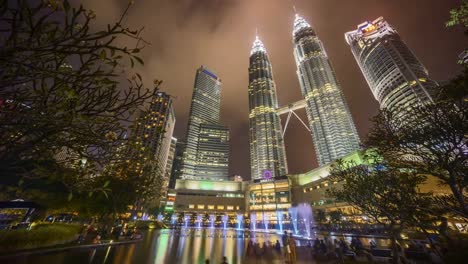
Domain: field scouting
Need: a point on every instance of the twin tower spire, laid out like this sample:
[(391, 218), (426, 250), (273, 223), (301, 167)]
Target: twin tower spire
[(299, 23), (332, 128)]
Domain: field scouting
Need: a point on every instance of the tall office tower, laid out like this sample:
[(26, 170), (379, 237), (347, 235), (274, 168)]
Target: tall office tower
[(171, 155), (213, 152), (176, 171), (395, 76), (331, 123), (153, 131), (204, 110), (169, 163), (267, 153)]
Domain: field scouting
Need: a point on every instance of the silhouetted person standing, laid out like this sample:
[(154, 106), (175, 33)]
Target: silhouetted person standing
[(224, 260)]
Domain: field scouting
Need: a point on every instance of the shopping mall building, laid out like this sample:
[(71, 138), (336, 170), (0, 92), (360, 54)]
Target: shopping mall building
[(262, 199)]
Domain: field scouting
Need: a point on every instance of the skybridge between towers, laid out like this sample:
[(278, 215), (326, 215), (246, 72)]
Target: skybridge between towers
[(289, 109)]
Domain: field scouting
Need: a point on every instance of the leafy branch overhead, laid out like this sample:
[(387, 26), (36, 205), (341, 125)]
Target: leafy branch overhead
[(67, 91)]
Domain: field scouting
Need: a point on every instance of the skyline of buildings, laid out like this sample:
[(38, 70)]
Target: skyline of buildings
[(333, 131), (396, 77), (199, 179), (267, 151)]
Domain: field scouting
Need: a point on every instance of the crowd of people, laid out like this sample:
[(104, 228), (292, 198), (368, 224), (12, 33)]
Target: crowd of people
[(90, 233), (269, 250)]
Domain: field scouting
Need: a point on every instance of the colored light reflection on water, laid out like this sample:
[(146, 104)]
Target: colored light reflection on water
[(186, 245)]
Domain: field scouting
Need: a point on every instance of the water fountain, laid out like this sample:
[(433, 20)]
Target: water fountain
[(240, 220), (279, 219), (293, 218), (186, 219), (199, 220), (253, 221), (159, 217), (212, 220), (305, 210), (266, 218), (173, 219), (224, 219), (145, 217)]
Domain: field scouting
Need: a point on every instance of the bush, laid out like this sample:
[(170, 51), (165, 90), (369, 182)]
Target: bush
[(41, 235), (147, 224)]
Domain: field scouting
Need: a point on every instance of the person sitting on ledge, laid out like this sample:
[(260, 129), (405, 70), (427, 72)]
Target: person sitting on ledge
[(97, 239)]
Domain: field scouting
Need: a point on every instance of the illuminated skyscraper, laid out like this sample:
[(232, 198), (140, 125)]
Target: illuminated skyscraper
[(395, 76), (213, 152), (153, 130), (267, 153), (331, 124), (177, 163), (202, 153)]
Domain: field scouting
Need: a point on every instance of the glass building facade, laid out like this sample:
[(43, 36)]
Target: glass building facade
[(331, 124), (202, 146), (213, 152), (397, 79), (153, 131), (269, 201), (267, 153)]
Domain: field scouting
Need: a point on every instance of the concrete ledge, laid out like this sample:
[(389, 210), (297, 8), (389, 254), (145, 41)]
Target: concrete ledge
[(65, 248)]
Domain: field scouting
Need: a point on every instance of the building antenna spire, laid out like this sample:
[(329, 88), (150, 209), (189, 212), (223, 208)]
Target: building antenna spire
[(294, 8)]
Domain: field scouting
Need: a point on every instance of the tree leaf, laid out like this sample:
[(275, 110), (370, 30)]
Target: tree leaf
[(106, 184), (103, 54), (139, 60), (70, 196)]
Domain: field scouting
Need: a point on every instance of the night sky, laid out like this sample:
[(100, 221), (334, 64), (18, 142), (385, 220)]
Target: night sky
[(185, 34)]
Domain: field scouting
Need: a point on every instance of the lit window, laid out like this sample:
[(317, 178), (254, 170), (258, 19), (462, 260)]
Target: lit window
[(201, 206), (191, 206), (211, 207), (230, 207), (220, 207)]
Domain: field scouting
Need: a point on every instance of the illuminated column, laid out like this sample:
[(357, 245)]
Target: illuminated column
[(332, 127), (267, 153)]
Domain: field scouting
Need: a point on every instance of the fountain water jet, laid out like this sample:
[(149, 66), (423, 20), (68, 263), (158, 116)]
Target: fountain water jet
[(240, 220), (159, 217), (186, 219), (173, 219), (266, 218), (293, 216), (199, 220), (279, 219), (212, 220), (305, 210), (224, 219), (253, 221)]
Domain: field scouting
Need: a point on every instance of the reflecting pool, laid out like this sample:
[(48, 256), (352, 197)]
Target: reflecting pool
[(186, 245)]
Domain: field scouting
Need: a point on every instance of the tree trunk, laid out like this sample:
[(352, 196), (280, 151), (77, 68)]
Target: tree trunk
[(395, 251), (457, 194)]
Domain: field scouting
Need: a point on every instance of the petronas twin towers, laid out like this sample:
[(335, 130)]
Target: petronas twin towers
[(333, 132)]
